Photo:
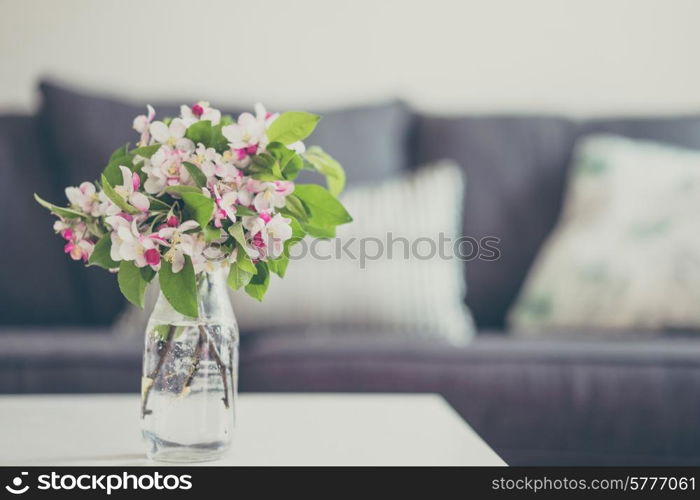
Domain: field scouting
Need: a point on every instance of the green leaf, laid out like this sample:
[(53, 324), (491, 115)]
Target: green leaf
[(244, 262), (325, 209), (157, 204), (279, 265), (131, 282), (277, 171), (241, 210), (290, 163), (324, 163), (162, 331), (236, 230), (319, 231), (265, 167), (298, 232), (265, 176), (292, 126), (146, 151), (262, 162), (278, 150), (200, 131), (117, 198), (196, 173), (147, 273), (259, 283), (292, 167), (66, 213), (211, 233), (180, 289), (198, 207), (119, 152), (296, 208), (218, 141), (238, 277), (120, 157), (180, 190), (101, 254), (94, 228)]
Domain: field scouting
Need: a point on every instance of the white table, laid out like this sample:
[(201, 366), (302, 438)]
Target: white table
[(272, 429)]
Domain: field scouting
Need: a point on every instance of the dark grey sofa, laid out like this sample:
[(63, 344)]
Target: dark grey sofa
[(564, 398)]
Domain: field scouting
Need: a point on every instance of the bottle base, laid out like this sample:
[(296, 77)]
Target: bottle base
[(159, 450), (185, 455)]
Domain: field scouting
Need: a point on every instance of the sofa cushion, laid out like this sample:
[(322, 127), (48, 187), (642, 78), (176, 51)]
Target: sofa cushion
[(83, 130), (394, 290), (579, 399), (37, 285), (516, 167), (624, 253)]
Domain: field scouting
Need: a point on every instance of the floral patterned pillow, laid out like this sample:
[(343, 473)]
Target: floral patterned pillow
[(626, 251)]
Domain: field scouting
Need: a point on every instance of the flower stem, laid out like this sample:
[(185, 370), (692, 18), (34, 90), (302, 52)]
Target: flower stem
[(154, 374), (197, 359), (219, 362)]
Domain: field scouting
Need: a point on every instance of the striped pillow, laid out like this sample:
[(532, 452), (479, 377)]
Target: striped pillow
[(422, 293)]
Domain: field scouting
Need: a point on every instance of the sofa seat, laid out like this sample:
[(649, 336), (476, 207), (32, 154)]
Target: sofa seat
[(564, 399), (68, 360)]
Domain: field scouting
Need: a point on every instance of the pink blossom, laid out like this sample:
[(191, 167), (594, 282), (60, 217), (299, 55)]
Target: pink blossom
[(142, 123), (225, 206), (152, 257), (129, 190), (130, 245), (165, 169), (84, 198), (200, 111), (267, 235), (272, 195), (248, 135), (78, 244), (197, 110)]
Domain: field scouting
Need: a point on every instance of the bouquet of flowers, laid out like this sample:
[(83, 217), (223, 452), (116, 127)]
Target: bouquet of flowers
[(198, 192)]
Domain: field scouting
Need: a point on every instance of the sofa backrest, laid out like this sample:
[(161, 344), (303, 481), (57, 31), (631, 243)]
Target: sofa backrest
[(516, 170), (37, 285)]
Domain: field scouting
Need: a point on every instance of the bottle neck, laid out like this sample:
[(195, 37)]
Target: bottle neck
[(214, 304), (211, 283), (212, 295)]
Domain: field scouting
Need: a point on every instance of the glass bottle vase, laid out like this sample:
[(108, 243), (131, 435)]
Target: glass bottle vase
[(190, 372)]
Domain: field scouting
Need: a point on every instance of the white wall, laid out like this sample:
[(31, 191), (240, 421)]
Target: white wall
[(581, 57)]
